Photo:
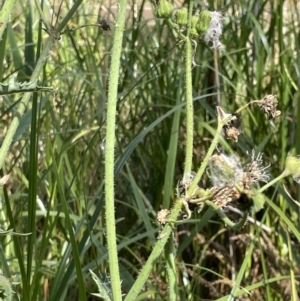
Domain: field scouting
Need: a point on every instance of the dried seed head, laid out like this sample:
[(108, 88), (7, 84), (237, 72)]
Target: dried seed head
[(162, 216), (228, 171), (225, 170), (255, 170), (214, 31), (225, 195), (269, 105), (230, 128), (232, 133)]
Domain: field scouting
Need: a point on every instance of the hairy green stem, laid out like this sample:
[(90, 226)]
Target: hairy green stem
[(225, 218), (24, 102), (5, 15), (189, 99), (189, 108), (206, 159), (171, 268), (271, 183), (109, 153), (162, 240)]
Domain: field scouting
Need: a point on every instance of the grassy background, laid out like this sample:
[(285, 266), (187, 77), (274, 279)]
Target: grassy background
[(56, 162)]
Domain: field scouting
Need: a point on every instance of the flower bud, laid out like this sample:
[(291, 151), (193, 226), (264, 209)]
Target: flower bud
[(193, 31), (164, 9), (194, 21), (182, 17), (203, 21), (292, 167)]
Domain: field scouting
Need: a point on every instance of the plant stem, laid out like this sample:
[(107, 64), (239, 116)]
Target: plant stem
[(217, 76), (109, 153), (189, 98), (171, 268), (24, 102), (225, 218), (206, 159), (189, 108), (164, 235), (5, 14), (69, 15), (277, 179)]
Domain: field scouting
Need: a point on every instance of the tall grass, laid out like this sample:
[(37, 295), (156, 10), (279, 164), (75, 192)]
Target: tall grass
[(55, 141)]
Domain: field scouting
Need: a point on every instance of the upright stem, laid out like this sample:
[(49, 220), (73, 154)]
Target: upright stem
[(217, 77), (189, 99), (209, 153), (171, 268), (109, 153), (189, 108), (162, 240)]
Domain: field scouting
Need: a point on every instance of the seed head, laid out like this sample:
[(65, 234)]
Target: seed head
[(225, 195), (162, 216), (230, 128), (255, 170), (214, 31), (225, 170), (269, 106)]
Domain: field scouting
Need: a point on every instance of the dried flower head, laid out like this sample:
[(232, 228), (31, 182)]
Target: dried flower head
[(214, 31), (231, 130), (225, 170), (269, 106), (225, 195), (256, 171), (231, 181), (162, 216)]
